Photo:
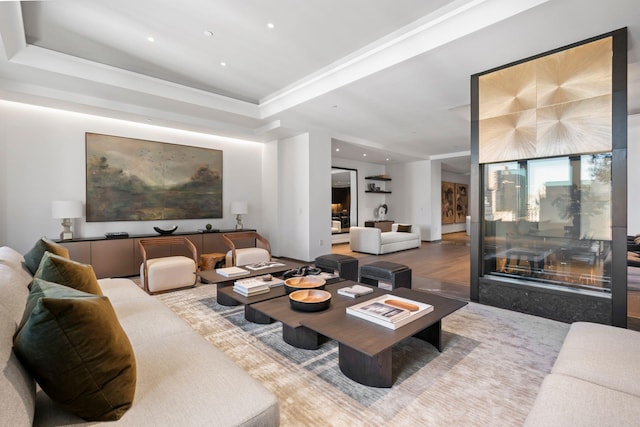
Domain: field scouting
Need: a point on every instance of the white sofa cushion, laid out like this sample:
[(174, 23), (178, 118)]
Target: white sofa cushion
[(15, 260), (17, 387), (566, 401), (395, 237), (246, 256), (603, 355), (372, 240), (171, 272)]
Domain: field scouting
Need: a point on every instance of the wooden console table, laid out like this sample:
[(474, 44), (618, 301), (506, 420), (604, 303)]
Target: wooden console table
[(121, 257)]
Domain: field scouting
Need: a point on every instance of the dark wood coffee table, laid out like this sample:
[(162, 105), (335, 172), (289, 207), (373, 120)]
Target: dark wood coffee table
[(229, 295), (223, 298), (293, 331), (365, 347)]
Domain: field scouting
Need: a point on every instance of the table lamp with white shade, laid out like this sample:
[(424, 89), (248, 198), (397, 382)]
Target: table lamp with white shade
[(66, 210), (237, 209)]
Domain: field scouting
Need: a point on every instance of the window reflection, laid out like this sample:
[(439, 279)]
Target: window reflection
[(549, 220)]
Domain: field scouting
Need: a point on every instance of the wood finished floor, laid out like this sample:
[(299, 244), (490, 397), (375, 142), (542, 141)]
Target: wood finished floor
[(443, 267)]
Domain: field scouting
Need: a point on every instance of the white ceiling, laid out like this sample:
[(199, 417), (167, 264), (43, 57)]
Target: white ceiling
[(386, 78)]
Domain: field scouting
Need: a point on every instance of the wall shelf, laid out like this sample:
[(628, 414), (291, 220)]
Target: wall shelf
[(377, 178), (378, 191)]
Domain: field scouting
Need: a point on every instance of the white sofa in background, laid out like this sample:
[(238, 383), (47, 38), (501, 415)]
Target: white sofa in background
[(336, 227), (182, 379), (372, 240), (595, 380)]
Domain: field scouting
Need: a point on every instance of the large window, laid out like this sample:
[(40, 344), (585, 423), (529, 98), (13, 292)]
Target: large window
[(549, 220)]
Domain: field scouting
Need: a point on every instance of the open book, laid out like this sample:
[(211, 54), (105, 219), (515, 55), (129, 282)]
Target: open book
[(390, 311)]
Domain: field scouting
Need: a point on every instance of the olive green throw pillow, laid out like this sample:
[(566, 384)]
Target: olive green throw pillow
[(56, 269), (74, 346), (34, 256), (404, 228)]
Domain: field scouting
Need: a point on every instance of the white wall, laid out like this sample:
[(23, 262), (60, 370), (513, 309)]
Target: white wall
[(294, 201), (413, 196), (271, 196), (459, 179), (43, 159), (319, 171), (305, 196)]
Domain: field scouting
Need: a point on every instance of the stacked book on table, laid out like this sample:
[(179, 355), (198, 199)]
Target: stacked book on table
[(251, 287), (355, 291), (390, 311), (231, 271)]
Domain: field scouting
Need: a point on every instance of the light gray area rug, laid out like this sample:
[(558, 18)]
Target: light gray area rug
[(488, 374)]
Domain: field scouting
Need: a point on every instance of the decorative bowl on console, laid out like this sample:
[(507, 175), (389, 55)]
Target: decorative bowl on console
[(303, 282), (310, 300), (165, 231)]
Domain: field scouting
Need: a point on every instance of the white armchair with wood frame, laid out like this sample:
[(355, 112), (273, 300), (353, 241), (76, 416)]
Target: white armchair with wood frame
[(168, 273), (238, 254)]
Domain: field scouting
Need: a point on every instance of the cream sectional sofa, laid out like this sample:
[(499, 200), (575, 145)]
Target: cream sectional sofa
[(595, 380), (181, 378), (372, 240)]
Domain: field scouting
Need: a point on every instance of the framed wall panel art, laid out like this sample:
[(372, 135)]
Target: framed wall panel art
[(462, 203), (137, 180), (448, 203)]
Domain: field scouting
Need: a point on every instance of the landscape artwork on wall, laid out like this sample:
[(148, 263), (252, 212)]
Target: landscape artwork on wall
[(136, 180), (462, 202), (448, 203)]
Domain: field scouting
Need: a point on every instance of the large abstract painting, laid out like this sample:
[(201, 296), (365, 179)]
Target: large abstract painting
[(448, 202), (462, 202), (554, 105), (137, 180)]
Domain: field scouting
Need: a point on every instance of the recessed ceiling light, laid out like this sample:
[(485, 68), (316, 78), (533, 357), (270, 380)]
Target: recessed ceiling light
[(151, 39), (270, 25), (224, 64), (208, 33), (364, 155), (337, 149), (387, 159)]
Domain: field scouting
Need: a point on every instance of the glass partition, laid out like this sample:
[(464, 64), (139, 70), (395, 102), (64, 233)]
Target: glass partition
[(549, 220)]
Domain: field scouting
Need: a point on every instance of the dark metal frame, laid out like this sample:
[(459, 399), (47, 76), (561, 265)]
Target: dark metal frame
[(618, 179)]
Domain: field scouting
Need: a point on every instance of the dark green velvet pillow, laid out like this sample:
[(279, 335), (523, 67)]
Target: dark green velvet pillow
[(404, 228), (56, 269), (34, 256), (73, 345)]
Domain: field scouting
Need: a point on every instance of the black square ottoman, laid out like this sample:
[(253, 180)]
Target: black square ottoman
[(398, 275), (346, 266)]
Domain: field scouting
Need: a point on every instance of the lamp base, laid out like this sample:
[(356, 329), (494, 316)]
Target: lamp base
[(66, 232), (239, 225)]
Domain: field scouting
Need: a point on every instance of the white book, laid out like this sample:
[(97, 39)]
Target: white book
[(231, 271), (355, 291), (252, 292), (380, 311), (253, 282)]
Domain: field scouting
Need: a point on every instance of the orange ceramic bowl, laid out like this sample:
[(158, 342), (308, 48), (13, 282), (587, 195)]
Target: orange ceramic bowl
[(303, 282), (310, 300)]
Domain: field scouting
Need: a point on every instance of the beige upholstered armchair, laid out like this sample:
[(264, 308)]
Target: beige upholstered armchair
[(166, 273), (239, 254)]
